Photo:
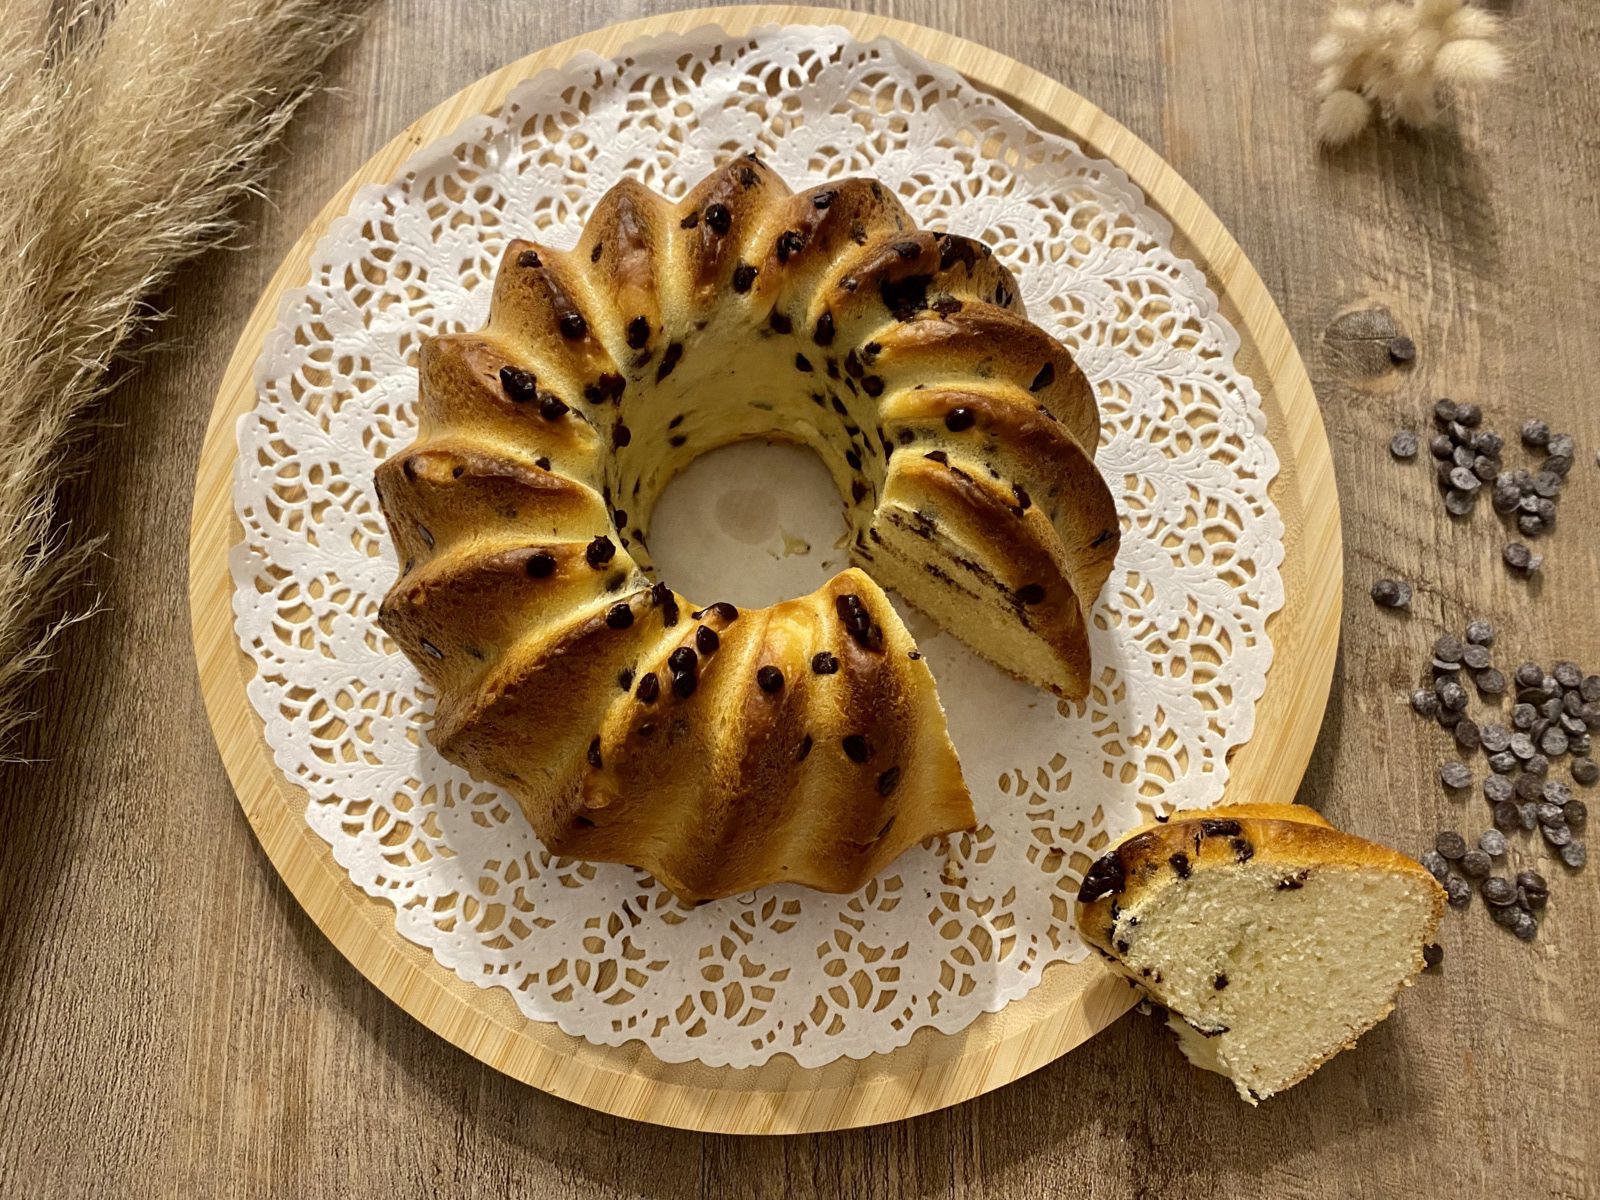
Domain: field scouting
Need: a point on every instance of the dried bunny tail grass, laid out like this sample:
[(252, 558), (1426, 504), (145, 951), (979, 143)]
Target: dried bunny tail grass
[(1470, 62), (127, 129), (1342, 116)]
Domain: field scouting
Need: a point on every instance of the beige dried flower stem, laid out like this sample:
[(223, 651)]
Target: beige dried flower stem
[(128, 130)]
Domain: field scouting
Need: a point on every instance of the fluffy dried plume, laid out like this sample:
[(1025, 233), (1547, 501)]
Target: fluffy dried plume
[(128, 131), (1390, 58)]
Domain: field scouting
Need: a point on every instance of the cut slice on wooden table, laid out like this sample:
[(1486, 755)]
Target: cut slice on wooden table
[(1273, 939)]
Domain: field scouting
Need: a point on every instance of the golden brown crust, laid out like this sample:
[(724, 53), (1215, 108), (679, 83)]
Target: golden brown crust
[(521, 603)]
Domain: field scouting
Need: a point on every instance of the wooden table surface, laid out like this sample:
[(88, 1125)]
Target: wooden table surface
[(171, 1024)]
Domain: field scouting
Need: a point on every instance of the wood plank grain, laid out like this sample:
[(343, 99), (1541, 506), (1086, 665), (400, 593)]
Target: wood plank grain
[(171, 1024)]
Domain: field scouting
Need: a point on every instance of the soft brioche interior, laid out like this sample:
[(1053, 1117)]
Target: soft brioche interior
[(1270, 971)]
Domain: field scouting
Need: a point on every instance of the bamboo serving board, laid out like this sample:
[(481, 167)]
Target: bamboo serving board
[(1071, 1003)]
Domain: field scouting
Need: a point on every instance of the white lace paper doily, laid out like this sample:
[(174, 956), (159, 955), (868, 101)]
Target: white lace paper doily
[(948, 932)]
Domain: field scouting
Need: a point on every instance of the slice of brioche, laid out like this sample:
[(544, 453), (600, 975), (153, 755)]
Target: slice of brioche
[(1273, 939)]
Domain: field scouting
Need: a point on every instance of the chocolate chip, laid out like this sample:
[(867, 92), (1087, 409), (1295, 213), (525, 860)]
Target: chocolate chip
[(823, 663), (1503, 763), (1031, 593), (625, 678), (719, 219), (857, 748), (1586, 771), (1458, 891), (1404, 444), (1574, 854), (520, 386), (824, 332), (1402, 349), (1497, 789), (649, 687), (1024, 501), (822, 199), (1554, 742), (706, 640), (621, 435), (669, 360), (1475, 658), (1047, 376), (1447, 649), (1475, 864), (1498, 891), (1527, 817), (769, 680), (1495, 738), (1557, 835), (1577, 814), (572, 326), (805, 749), (1490, 682), (1391, 593), (1425, 702), (552, 408), (1104, 877), (743, 276), (1440, 446), (528, 259), (802, 363), (599, 552), (1455, 775), (888, 781), (540, 565), (1535, 433), (872, 385), (690, 221), (1179, 863), (1467, 735), (1450, 844), (724, 611), (594, 752), (619, 616), (1432, 956), (638, 333), (1505, 816), (790, 242)]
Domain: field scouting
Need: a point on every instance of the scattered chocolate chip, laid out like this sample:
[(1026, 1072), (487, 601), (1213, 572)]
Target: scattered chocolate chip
[(1498, 891), (1586, 771), (1474, 864), (1475, 658), (572, 326), (619, 616), (1425, 702), (1402, 349), (1404, 444), (706, 639), (1455, 775), (599, 552), (1458, 891), (1467, 735), (1497, 789), (1391, 593), (1490, 682), (1450, 844), (1574, 854), (552, 408), (1535, 433), (769, 680), (1505, 816), (823, 663), (1432, 956)]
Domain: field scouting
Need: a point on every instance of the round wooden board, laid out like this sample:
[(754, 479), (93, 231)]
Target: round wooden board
[(1072, 1002)]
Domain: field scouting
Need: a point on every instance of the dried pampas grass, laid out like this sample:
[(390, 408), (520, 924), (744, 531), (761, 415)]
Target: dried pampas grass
[(1392, 59), (127, 130)]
